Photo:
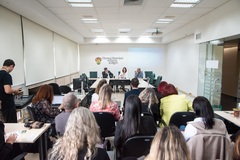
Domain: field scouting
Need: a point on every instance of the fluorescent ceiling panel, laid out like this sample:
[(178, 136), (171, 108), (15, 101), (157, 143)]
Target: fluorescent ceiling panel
[(187, 1), (178, 5), (81, 4), (79, 1)]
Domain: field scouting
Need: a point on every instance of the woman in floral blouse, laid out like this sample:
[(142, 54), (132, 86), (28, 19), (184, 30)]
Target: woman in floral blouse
[(41, 105), (104, 103)]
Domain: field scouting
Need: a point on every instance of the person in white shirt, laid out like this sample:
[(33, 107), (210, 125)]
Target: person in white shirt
[(123, 75)]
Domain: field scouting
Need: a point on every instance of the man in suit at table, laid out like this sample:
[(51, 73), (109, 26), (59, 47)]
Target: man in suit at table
[(138, 73), (134, 85), (106, 73), (69, 103)]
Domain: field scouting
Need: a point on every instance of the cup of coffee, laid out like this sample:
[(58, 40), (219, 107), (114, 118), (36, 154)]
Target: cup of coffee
[(236, 112)]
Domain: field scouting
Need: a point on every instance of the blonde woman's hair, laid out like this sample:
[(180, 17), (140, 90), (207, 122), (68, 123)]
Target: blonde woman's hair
[(236, 149), (105, 94), (148, 96), (82, 132), (169, 144)]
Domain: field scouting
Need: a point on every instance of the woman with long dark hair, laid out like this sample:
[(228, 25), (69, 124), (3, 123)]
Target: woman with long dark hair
[(133, 123), (204, 121)]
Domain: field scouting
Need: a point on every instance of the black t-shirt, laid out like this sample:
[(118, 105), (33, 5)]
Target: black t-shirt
[(7, 99)]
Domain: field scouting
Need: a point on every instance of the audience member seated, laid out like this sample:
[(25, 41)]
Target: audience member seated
[(80, 138), (70, 102), (160, 89), (172, 102), (105, 103), (138, 73), (41, 104), (134, 85), (132, 123), (168, 144), (209, 132), (95, 95), (123, 75), (236, 149), (8, 150), (150, 103), (204, 121)]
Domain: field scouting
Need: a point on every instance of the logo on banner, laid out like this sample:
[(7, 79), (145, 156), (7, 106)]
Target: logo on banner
[(98, 60)]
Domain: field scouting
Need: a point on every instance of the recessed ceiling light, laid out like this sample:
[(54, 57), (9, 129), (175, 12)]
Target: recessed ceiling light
[(162, 22), (165, 20), (81, 4), (90, 20), (79, 1), (97, 30), (182, 5), (150, 30), (187, 1), (124, 30)]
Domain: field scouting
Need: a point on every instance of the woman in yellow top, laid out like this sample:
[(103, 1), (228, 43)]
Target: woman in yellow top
[(172, 102)]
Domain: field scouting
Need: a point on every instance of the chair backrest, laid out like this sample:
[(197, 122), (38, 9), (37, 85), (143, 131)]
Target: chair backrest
[(106, 122), (56, 89), (148, 74), (158, 80), (65, 89), (31, 113), (210, 146), (137, 146), (93, 74), (181, 118)]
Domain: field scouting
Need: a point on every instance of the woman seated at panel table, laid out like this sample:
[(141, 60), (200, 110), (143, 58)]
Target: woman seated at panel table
[(132, 124), (123, 75), (172, 102), (105, 103), (41, 104)]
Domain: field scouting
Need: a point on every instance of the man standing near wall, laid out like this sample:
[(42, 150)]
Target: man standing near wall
[(8, 108)]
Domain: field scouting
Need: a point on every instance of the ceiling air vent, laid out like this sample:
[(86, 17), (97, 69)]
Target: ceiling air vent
[(133, 2)]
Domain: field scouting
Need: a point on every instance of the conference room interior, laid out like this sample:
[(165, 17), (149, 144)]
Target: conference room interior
[(47, 54)]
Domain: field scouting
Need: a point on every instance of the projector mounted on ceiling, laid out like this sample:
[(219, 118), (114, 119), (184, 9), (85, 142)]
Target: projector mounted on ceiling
[(133, 2), (157, 32)]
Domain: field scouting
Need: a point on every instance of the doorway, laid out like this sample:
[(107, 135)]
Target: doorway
[(230, 93), (219, 73)]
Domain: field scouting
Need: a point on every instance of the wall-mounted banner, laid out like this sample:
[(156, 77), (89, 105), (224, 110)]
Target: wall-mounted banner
[(110, 60)]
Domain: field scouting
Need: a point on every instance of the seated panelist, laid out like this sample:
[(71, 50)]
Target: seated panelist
[(106, 73), (138, 73)]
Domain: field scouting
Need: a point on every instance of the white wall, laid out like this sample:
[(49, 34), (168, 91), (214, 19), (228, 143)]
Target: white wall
[(147, 57), (182, 64), (220, 23)]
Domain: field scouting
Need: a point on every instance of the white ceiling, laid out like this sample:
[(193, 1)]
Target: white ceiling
[(58, 16)]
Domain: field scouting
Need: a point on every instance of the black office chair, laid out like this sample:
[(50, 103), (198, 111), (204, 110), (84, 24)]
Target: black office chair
[(56, 89), (137, 146), (20, 156), (181, 118), (106, 122), (31, 113), (64, 89)]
